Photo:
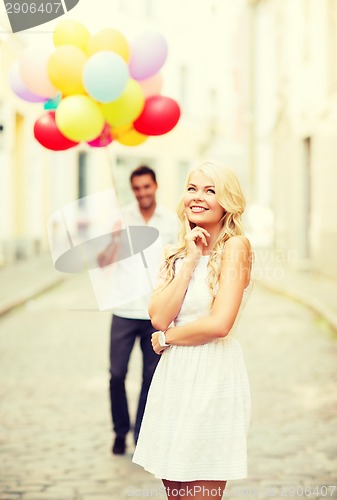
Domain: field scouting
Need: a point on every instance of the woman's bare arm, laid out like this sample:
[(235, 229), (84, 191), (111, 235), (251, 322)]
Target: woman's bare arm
[(166, 302), (235, 276)]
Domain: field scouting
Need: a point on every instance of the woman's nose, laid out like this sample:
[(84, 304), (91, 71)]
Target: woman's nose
[(198, 195)]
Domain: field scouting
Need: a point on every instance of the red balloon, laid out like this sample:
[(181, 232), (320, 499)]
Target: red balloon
[(47, 133), (104, 139), (158, 117)]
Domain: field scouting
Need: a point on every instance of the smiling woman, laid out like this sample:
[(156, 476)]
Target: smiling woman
[(217, 189), (193, 434), (200, 201)]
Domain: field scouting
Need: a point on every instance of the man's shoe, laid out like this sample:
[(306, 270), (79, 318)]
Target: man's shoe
[(119, 445)]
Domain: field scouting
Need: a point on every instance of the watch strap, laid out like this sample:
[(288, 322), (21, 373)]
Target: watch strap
[(162, 340)]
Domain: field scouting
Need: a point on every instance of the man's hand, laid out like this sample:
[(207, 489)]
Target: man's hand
[(107, 256)]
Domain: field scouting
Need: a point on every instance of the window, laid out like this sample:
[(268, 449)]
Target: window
[(149, 8), (331, 12), (213, 106), (1, 125), (82, 176), (184, 167), (307, 29)]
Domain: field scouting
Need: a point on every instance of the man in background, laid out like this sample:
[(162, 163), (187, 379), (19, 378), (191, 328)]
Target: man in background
[(132, 320)]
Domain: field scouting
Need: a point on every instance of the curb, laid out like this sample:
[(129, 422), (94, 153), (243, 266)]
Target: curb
[(26, 295), (310, 302)]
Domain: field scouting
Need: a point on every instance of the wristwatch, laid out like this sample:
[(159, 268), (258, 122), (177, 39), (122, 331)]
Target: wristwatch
[(162, 340)]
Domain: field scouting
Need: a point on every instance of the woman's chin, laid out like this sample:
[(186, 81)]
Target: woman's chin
[(197, 218)]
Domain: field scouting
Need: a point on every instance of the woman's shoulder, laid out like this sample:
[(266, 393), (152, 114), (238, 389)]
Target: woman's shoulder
[(238, 249), (239, 242)]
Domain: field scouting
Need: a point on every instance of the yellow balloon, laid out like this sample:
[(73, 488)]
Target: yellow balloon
[(128, 136), (79, 118), (65, 68), (119, 131), (109, 39), (127, 107), (69, 32)]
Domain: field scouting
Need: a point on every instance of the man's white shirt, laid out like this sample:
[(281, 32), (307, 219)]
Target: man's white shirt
[(125, 287)]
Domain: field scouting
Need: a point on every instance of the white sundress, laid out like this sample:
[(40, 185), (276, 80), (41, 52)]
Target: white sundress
[(198, 408)]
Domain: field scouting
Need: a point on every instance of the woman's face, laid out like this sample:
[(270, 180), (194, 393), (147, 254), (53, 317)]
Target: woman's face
[(201, 205)]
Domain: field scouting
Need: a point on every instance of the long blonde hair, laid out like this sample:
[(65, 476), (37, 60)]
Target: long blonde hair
[(229, 195)]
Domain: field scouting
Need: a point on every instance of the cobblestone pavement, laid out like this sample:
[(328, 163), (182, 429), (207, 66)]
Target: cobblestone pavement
[(54, 411)]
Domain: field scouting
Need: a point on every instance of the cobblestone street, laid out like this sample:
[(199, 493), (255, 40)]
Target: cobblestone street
[(55, 421)]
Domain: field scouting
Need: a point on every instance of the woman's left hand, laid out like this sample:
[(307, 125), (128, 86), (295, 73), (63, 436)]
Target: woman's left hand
[(158, 349)]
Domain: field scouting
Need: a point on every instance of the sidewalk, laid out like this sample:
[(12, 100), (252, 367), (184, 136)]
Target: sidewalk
[(26, 279), (273, 270), (276, 271)]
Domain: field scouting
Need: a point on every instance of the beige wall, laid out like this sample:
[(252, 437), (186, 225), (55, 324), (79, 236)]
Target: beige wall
[(304, 178), (324, 223), (26, 182)]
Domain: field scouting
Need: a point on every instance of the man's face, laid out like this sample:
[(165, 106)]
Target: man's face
[(144, 189)]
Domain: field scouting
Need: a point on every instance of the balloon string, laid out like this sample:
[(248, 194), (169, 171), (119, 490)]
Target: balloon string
[(64, 220)]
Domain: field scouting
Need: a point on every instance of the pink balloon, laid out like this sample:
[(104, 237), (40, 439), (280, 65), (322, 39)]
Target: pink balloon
[(33, 67), (19, 87), (148, 54), (153, 85), (104, 139)]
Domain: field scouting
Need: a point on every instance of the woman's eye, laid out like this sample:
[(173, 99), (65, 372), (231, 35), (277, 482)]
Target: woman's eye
[(210, 191), (190, 189)]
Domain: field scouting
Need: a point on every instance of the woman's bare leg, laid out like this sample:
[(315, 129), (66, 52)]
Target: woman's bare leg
[(172, 489), (203, 489)]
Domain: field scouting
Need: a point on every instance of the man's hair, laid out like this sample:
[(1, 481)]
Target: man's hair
[(143, 170)]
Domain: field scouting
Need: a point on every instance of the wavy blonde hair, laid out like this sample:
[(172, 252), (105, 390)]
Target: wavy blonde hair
[(229, 195)]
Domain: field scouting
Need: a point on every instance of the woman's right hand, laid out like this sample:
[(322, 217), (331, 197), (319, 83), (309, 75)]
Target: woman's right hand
[(195, 240)]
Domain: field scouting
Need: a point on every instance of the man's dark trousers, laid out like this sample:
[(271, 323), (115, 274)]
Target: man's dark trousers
[(122, 338)]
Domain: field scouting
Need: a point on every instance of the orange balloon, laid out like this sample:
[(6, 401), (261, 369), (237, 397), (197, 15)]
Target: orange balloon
[(109, 39), (152, 86), (128, 136)]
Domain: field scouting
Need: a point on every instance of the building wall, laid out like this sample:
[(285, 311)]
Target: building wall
[(26, 169), (305, 134), (324, 220)]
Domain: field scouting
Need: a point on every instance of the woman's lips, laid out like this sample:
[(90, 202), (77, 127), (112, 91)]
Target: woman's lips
[(197, 209)]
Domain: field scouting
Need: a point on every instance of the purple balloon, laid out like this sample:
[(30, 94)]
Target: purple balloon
[(19, 87), (148, 54)]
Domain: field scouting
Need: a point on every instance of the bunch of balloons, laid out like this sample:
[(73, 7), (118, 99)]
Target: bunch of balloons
[(96, 88)]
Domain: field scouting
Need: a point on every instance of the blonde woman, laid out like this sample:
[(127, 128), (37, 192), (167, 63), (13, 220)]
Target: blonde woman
[(193, 433)]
